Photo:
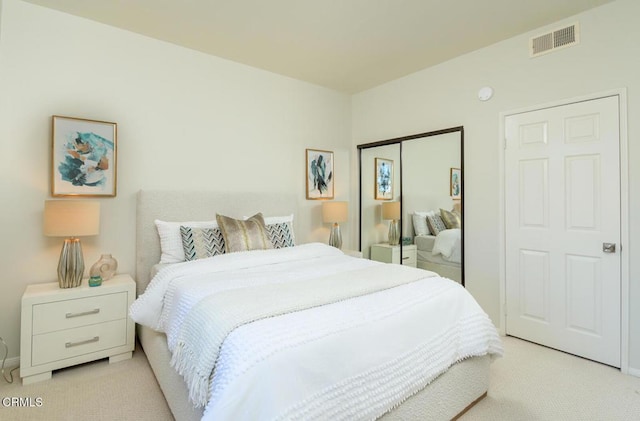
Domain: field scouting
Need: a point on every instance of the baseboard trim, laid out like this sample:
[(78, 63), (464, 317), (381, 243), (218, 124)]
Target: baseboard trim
[(634, 372)]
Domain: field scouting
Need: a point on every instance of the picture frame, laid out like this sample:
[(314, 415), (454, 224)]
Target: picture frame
[(455, 183), (384, 179), (320, 174), (84, 157)]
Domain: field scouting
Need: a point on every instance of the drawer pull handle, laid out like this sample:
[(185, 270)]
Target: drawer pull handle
[(405, 258), (88, 341), (84, 313)]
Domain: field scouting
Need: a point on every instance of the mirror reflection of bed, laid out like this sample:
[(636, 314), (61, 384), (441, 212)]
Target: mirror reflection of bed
[(424, 164), (431, 216), (439, 252)]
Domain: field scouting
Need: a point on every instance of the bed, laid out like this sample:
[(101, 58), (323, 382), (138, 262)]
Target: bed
[(444, 396), (440, 253)]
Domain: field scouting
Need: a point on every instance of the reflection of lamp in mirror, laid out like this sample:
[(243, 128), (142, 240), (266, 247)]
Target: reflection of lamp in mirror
[(71, 218), (391, 211), (334, 212)]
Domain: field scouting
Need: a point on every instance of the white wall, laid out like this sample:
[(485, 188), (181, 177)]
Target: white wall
[(185, 121), (608, 57)]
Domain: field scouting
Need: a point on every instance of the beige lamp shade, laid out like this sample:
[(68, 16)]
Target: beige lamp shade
[(71, 218), (334, 212), (391, 210)]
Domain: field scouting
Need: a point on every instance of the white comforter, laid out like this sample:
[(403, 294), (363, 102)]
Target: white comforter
[(449, 245), (354, 359)]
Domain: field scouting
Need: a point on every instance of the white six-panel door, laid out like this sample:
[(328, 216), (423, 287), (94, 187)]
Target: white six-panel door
[(562, 190)]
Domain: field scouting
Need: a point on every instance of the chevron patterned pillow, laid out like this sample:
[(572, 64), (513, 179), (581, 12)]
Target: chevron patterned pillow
[(436, 224), (200, 243), (281, 235)]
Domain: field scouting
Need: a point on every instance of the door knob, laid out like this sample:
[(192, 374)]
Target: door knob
[(609, 247)]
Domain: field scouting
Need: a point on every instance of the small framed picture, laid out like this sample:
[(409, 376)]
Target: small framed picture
[(84, 157), (455, 185), (320, 174), (384, 179)]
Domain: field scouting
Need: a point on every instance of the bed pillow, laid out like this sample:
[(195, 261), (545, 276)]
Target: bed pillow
[(200, 243), (171, 247), (420, 226), (450, 219), (281, 235), (244, 235), (436, 224), (280, 229), (458, 214)]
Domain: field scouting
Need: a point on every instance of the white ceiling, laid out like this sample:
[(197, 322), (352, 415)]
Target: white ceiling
[(347, 45)]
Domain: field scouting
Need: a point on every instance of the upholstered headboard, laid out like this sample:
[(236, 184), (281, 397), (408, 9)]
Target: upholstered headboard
[(196, 206)]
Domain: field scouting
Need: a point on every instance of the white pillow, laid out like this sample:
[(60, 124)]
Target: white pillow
[(420, 222), (171, 239)]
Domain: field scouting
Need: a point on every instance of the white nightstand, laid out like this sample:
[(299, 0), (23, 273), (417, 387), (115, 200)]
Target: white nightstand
[(63, 327), (391, 254)]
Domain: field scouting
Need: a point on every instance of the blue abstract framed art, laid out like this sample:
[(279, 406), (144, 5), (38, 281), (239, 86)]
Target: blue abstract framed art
[(384, 179), (84, 157), (455, 184), (320, 174)]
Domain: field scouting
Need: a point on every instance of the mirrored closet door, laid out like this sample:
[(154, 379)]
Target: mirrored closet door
[(411, 201)]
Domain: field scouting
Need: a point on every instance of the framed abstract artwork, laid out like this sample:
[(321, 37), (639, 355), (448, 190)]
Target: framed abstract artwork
[(455, 185), (84, 157), (384, 179), (320, 174)]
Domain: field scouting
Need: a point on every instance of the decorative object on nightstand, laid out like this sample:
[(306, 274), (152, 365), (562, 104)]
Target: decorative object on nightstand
[(65, 327), (95, 281), (391, 211), (105, 267), (71, 219), (334, 213)]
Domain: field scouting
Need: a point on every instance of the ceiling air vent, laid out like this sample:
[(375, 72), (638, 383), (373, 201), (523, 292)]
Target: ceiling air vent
[(554, 40)]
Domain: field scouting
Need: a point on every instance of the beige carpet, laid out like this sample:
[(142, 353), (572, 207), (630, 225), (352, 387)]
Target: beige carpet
[(530, 383), (536, 383), (94, 391)]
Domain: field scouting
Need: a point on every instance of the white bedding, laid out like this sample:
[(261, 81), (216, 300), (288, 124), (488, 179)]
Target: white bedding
[(424, 242), (448, 244), (353, 359)]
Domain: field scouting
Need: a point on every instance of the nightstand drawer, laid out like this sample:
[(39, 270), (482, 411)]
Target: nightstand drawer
[(68, 314), (409, 259), (70, 343)]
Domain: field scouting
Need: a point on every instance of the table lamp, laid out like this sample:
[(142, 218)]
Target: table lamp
[(334, 212), (391, 211), (71, 219)]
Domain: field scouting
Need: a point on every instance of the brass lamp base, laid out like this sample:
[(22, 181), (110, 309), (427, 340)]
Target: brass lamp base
[(71, 264)]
